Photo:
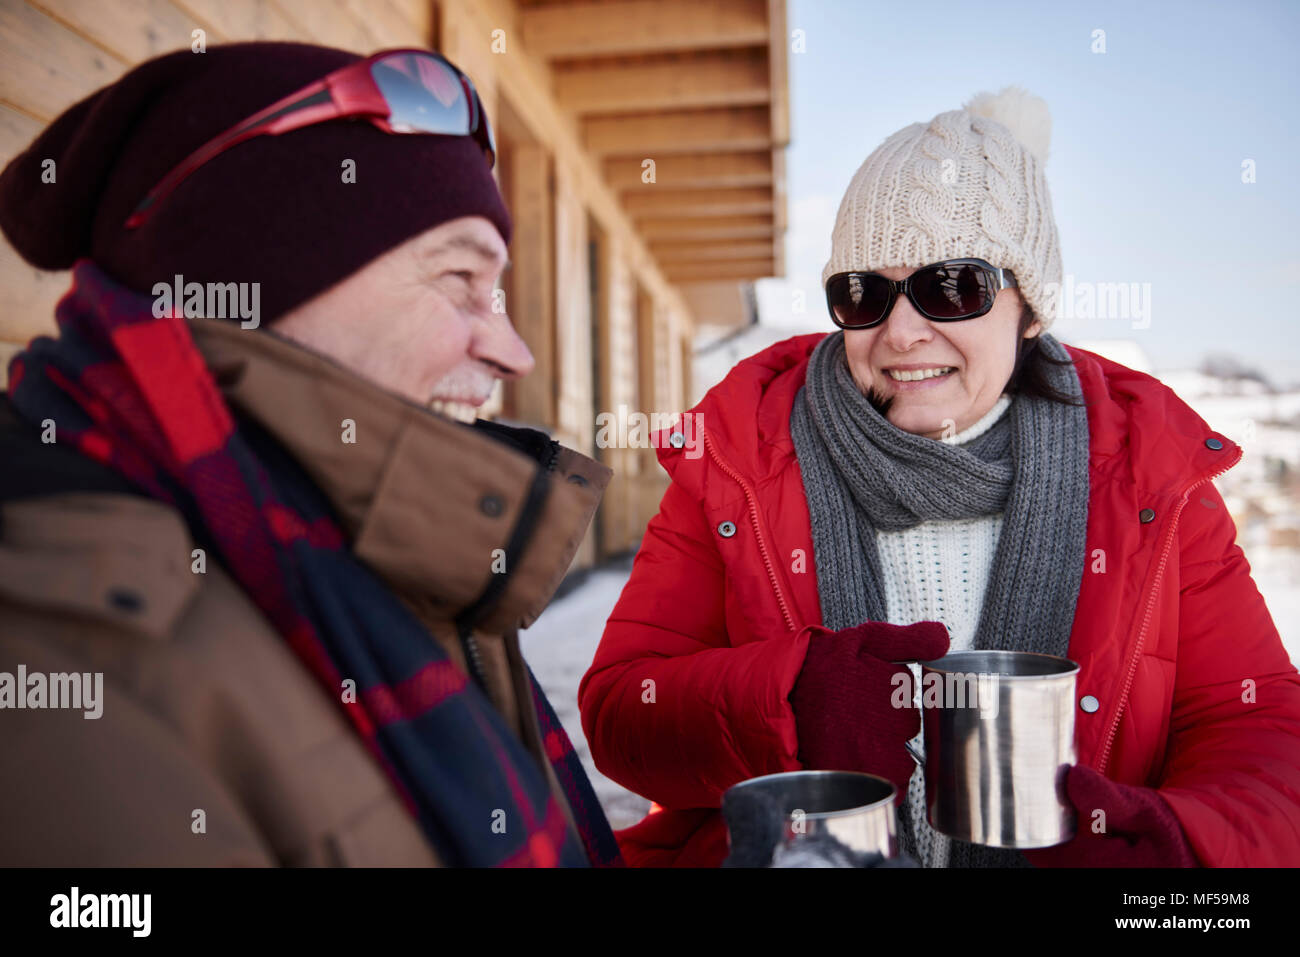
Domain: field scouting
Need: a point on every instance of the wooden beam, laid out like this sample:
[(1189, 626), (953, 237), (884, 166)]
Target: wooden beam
[(729, 78), (694, 131), (691, 171), (17, 130), (46, 66), (718, 304), (524, 81), (658, 201), (779, 71), (661, 229), (331, 24), (704, 272), (694, 250), (256, 20), (642, 26), (780, 209), (130, 32), (531, 302), (385, 22)]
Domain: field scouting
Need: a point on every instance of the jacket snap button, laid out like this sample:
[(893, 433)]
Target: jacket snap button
[(1146, 515), (1089, 704), (677, 440), (491, 505), (123, 599), (1213, 444), (727, 529)]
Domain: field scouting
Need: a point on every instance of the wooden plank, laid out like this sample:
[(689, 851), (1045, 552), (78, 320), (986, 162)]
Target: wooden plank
[(330, 23), (659, 202), (531, 302), (650, 134), (704, 227), (717, 303), (701, 272), (780, 209), (386, 23), (420, 15), (639, 26), (691, 171), (619, 510), (572, 317), (242, 19), (469, 46), (687, 366), (27, 297), (44, 66), (779, 71), (647, 393), (131, 30), (679, 82), (17, 130), (710, 250)]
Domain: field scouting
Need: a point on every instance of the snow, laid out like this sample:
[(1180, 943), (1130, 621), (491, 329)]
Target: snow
[(559, 647)]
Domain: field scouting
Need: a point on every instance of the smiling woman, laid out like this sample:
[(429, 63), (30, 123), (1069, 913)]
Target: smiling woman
[(950, 469)]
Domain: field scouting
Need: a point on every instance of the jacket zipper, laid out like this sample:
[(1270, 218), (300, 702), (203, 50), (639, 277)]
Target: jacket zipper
[(751, 501), (1150, 606), (473, 659)]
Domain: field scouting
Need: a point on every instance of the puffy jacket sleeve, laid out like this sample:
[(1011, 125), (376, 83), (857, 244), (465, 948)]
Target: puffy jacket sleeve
[(671, 709), (1232, 769), (116, 791)]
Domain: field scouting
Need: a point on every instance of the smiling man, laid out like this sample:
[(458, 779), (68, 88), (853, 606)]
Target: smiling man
[(296, 556)]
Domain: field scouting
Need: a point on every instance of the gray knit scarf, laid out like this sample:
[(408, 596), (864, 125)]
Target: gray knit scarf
[(862, 474)]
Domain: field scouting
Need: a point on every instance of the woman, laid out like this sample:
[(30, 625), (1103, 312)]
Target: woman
[(943, 474)]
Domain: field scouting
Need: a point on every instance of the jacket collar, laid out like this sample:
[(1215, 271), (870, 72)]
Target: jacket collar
[(1132, 418), (430, 504)]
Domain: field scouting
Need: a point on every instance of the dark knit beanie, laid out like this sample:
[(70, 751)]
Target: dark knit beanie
[(273, 210)]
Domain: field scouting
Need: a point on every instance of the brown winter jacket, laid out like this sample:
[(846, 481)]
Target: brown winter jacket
[(205, 708)]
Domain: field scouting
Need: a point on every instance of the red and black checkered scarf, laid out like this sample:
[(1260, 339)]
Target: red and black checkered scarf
[(132, 391)]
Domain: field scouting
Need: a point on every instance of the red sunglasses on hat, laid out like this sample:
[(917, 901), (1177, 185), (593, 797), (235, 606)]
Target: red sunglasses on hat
[(399, 91)]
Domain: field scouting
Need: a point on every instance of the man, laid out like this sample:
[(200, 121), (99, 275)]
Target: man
[(258, 603)]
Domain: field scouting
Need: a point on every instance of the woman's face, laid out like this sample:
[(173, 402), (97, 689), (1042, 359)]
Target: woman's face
[(982, 352)]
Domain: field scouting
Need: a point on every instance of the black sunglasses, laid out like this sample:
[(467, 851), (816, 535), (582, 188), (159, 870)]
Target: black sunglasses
[(947, 291)]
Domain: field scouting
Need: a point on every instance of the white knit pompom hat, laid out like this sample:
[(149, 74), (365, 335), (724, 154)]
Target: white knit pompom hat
[(969, 183)]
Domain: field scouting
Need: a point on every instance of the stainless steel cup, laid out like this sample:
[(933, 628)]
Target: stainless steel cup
[(856, 809), (995, 768)]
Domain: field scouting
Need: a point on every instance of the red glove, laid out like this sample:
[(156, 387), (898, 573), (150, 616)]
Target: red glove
[(1141, 829), (842, 699)]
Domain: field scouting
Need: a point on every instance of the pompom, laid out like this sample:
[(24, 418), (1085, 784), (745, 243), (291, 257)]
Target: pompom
[(1021, 112)]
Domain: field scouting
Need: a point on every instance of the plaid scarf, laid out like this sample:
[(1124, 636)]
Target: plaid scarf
[(132, 391)]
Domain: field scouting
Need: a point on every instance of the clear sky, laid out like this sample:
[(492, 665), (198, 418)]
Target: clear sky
[(1148, 141)]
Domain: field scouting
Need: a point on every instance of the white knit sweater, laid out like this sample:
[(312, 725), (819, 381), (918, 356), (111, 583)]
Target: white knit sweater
[(938, 571)]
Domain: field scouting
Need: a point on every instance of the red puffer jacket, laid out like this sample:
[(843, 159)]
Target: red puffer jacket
[(1184, 683)]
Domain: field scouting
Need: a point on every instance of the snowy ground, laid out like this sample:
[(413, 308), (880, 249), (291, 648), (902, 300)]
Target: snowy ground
[(560, 647), (562, 644)]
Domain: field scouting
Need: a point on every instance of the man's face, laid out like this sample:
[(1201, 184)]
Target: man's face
[(418, 320)]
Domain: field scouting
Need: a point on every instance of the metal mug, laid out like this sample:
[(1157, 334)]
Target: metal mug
[(995, 769), (856, 809)]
